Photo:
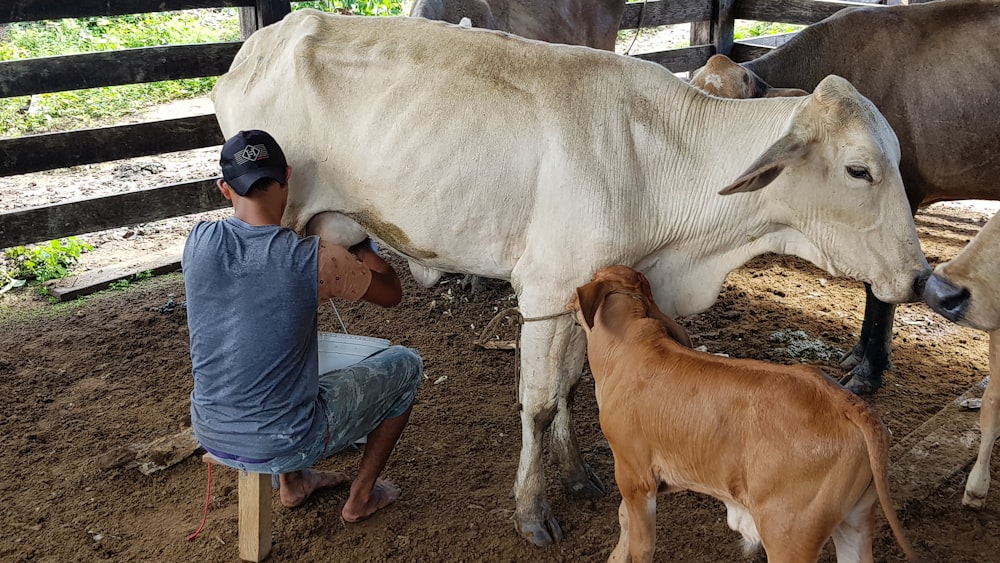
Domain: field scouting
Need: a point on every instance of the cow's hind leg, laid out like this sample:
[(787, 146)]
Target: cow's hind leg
[(870, 356), (989, 425), (545, 347), (577, 477)]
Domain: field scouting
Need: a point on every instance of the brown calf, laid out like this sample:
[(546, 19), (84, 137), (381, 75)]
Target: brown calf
[(795, 457)]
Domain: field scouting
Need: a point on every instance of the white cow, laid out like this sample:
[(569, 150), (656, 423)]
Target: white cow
[(473, 151), (964, 290)]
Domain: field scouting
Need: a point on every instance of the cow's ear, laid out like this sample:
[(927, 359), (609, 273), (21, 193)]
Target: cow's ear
[(769, 165), (589, 298)]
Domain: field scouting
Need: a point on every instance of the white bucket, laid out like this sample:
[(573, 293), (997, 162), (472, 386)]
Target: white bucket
[(338, 350)]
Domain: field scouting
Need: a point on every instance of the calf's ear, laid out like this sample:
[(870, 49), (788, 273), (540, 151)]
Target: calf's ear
[(589, 297), (789, 148)]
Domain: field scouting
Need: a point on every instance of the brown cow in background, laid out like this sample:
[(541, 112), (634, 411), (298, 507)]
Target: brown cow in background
[(593, 23)]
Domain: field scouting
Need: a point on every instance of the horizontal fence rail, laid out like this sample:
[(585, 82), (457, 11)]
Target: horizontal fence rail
[(712, 19), (35, 153), (114, 68), (33, 10)]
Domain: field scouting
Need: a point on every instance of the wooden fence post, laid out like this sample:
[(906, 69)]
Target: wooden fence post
[(719, 31), (264, 13)]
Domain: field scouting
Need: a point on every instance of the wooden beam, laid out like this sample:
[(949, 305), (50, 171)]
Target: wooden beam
[(33, 10), (271, 11), (38, 224), (743, 52), (33, 153), (664, 12), (114, 68), (680, 60), (804, 12), (938, 449), (255, 516), (65, 289)]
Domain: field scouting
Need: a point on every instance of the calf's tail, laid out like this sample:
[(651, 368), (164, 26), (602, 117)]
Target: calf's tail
[(877, 444)]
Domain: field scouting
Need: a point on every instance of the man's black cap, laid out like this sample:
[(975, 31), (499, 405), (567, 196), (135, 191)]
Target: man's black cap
[(249, 156)]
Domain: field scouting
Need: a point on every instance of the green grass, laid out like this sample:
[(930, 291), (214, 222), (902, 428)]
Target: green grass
[(88, 108)]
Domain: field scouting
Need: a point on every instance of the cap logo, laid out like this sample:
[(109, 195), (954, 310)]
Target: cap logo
[(251, 153)]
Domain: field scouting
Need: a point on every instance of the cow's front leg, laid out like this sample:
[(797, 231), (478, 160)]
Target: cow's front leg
[(870, 357), (545, 347), (978, 483), (577, 477)]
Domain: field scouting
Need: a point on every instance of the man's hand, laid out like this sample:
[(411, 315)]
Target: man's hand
[(362, 247)]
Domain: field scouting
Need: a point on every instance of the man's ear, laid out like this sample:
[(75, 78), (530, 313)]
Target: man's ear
[(227, 192)]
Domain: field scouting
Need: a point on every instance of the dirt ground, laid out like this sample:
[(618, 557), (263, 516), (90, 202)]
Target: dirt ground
[(82, 379), (85, 378)]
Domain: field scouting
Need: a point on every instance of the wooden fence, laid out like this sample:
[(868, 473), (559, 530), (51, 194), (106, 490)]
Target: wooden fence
[(712, 32)]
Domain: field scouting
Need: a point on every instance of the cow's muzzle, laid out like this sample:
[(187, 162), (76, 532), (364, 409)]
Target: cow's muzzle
[(948, 300)]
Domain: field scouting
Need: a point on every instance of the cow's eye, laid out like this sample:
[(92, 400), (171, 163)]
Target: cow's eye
[(861, 173)]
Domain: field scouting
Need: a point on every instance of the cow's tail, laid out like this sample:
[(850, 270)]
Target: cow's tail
[(877, 444)]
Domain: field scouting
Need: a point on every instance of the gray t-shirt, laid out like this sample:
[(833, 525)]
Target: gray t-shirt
[(252, 300)]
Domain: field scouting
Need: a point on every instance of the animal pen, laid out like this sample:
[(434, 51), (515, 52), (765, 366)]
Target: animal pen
[(712, 31), (712, 24)]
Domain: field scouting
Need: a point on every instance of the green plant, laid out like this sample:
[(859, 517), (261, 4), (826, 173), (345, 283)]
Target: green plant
[(356, 7), (45, 262), (747, 28), (125, 283)]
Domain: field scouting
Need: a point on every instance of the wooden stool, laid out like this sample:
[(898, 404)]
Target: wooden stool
[(254, 491)]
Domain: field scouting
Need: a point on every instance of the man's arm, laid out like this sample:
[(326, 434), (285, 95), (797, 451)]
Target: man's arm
[(357, 273)]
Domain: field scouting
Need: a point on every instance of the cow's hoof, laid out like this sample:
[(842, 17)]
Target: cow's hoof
[(540, 533), (861, 385), (852, 358), (588, 487)]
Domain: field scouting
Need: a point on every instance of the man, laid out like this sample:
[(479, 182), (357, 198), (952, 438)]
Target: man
[(253, 290)]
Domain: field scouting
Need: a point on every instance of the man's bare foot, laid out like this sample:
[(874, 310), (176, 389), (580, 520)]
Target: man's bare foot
[(382, 495), (298, 485)]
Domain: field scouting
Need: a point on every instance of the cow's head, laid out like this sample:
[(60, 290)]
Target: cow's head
[(835, 196), (965, 290), (724, 78)]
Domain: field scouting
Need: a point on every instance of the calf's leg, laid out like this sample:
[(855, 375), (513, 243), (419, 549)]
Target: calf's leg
[(989, 425), (637, 517), (791, 536), (853, 537)]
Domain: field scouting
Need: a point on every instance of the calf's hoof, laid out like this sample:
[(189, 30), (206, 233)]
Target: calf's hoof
[(973, 500), (586, 486), (540, 533)]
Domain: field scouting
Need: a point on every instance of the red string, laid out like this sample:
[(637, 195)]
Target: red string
[(208, 497)]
